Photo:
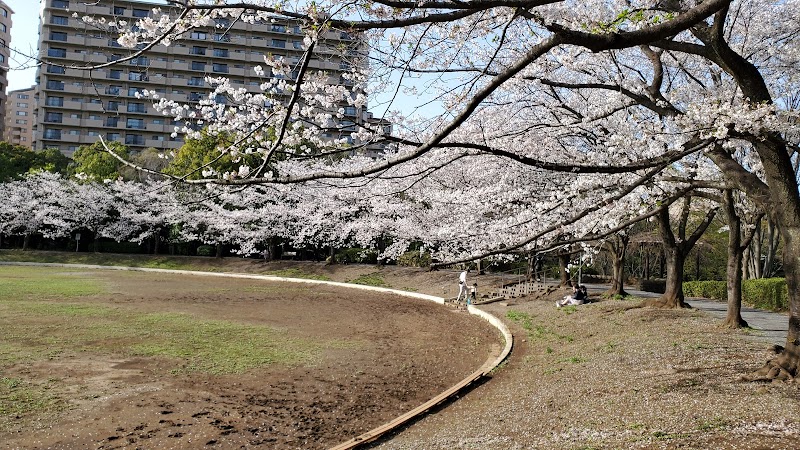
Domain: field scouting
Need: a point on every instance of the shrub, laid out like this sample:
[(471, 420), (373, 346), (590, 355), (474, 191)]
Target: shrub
[(357, 256), (766, 293), (706, 289), (206, 250), (414, 259)]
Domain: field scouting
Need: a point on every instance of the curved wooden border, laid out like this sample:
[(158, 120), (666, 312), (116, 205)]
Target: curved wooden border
[(377, 432)]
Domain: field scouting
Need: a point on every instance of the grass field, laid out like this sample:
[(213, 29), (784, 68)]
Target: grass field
[(47, 313)]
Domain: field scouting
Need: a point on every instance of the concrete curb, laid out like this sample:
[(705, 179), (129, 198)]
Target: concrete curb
[(377, 432)]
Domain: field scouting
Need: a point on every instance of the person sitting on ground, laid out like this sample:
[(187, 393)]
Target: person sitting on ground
[(578, 296)]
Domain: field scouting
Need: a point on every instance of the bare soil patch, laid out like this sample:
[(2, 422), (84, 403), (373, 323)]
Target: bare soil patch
[(378, 356)]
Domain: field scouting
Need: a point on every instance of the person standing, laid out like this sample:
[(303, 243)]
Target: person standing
[(462, 286)]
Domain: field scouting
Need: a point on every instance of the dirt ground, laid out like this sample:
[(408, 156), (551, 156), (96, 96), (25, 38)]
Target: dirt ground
[(606, 375), (400, 352)]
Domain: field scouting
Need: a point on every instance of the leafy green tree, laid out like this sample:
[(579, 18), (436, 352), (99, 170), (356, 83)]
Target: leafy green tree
[(198, 156), (17, 160), (95, 164)]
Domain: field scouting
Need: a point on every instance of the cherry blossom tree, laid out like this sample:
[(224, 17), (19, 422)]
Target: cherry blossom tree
[(556, 119)]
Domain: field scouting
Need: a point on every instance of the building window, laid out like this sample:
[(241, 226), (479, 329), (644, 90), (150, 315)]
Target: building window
[(54, 101), (56, 85), (93, 133), (57, 52), (115, 74), (137, 76), (22, 105), (112, 121), (114, 43), (139, 12), (52, 133), (158, 121), (133, 91), (113, 90), (22, 113), (196, 81), (198, 35), (58, 36), (198, 51), (74, 116), (59, 20), (278, 28), (137, 107), (222, 37), (221, 52), (220, 68), (195, 96), (197, 65), (140, 61), (113, 136), (279, 43), (60, 4), (297, 45), (112, 58), (3, 12), (118, 10), (3, 28), (74, 132), (21, 121), (55, 69), (134, 139), (135, 123)]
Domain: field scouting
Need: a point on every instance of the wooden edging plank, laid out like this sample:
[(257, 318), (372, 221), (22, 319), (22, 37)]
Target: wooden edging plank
[(375, 433)]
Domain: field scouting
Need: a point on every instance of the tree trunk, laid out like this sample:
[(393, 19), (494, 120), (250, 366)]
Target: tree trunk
[(563, 260), (772, 247), (746, 264), (617, 276), (219, 251), (25, 241), (733, 318), (756, 252), (156, 246), (673, 294), (646, 265)]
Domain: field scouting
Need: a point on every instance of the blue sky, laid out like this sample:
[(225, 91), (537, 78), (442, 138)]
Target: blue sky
[(24, 37)]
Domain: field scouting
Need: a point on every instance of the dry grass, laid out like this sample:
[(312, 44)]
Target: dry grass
[(610, 375)]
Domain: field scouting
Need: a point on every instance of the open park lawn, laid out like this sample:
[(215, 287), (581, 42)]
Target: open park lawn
[(111, 359)]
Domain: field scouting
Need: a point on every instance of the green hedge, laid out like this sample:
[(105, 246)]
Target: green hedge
[(767, 293), (706, 289)]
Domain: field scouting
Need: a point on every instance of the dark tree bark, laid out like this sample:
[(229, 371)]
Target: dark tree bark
[(778, 195), (675, 251), (616, 247), (563, 260), (25, 241), (736, 249)]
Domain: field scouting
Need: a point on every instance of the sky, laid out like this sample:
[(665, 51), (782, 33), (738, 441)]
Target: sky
[(24, 38)]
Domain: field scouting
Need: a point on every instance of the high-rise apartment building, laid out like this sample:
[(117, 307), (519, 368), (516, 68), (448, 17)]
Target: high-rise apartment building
[(19, 117), (5, 54), (75, 105)]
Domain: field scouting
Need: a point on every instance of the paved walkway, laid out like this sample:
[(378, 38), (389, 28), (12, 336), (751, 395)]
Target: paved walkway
[(770, 326)]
